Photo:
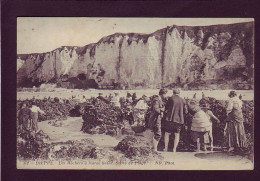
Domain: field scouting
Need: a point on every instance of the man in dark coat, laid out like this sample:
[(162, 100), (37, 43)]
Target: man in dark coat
[(175, 108)]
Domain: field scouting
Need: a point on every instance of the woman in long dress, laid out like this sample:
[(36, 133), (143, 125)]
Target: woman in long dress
[(234, 132), (24, 117)]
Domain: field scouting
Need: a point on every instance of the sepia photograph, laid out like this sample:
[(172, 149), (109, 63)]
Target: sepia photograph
[(135, 93)]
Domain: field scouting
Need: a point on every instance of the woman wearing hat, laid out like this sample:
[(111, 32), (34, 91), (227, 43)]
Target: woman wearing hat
[(206, 109), (234, 132)]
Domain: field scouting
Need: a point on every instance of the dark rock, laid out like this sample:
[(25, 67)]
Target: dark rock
[(133, 146)]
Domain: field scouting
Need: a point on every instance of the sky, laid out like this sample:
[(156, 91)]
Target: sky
[(44, 34)]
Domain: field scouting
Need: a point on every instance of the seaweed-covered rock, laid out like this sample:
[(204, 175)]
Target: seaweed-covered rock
[(99, 113), (75, 112), (53, 110), (82, 149), (30, 145), (217, 107), (133, 146), (248, 112), (56, 108)]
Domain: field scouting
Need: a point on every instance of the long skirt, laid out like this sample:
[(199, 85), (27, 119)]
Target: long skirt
[(234, 132)]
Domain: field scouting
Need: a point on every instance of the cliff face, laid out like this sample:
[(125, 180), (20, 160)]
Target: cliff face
[(173, 55)]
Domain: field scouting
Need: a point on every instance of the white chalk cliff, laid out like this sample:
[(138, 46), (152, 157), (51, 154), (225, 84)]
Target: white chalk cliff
[(173, 55)]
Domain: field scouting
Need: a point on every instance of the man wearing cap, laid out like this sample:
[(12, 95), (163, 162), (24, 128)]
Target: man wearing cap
[(156, 116), (175, 107)]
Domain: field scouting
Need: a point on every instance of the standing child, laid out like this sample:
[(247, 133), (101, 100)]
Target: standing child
[(210, 115), (200, 125)]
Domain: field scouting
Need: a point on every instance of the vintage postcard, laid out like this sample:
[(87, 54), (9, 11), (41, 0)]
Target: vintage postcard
[(135, 93)]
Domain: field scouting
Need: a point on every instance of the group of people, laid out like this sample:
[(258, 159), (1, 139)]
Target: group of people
[(168, 113), (115, 98), (171, 115), (28, 117)]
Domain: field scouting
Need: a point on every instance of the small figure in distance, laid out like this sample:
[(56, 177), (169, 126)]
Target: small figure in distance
[(134, 97), (100, 96), (203, 95), (116, 100), (129, 98)]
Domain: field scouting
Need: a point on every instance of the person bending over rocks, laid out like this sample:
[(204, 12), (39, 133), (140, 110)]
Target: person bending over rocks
[(34, 114), (200, 126)]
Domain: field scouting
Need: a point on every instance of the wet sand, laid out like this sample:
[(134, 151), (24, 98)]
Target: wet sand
[(70, 130)]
